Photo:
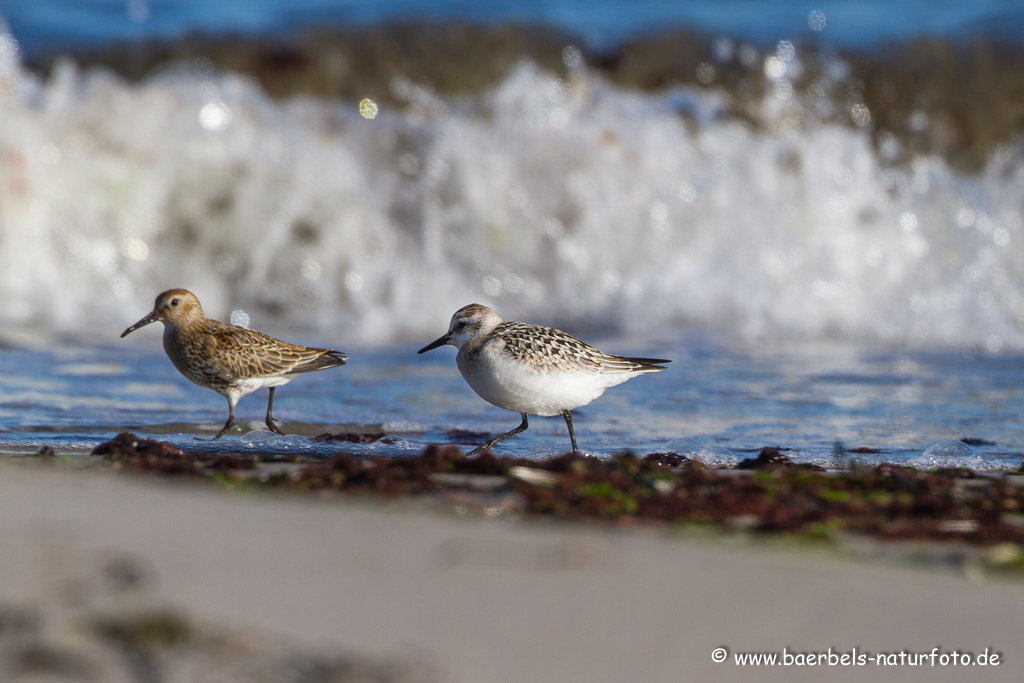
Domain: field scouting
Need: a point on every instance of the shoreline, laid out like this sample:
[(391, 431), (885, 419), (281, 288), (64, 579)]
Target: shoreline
[(432, 597), (975, 519)]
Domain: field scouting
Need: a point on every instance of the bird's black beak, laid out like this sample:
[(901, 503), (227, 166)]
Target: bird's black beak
[(440, 341), (151, 318)]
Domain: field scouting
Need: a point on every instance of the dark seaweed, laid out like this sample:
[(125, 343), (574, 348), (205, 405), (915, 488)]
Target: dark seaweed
[(775, 496)]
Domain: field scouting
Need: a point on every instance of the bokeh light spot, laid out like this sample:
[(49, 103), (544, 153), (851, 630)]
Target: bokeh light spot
[(214, 115), (367, 108)]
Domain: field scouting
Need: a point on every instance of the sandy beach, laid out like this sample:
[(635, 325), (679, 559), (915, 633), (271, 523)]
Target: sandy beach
[(403, 592)]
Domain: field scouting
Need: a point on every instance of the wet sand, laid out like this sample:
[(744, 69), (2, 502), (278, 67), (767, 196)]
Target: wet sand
[(411, 594)]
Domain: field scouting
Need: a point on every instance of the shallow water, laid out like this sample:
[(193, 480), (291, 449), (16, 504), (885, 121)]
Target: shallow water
[(822, 270), (713, 403)]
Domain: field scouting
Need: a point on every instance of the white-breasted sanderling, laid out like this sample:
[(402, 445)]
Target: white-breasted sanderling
[(231, 360), (532, 370)]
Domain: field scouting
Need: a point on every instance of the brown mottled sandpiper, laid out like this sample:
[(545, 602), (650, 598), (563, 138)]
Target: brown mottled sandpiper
[(231, 360), (532, 370)]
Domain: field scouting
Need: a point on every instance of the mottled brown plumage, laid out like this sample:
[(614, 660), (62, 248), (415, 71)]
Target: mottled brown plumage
[(231, 360)]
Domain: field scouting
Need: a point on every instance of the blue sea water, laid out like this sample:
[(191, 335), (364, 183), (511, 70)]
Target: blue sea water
[(48, 24), (831, 405), (811, 294)]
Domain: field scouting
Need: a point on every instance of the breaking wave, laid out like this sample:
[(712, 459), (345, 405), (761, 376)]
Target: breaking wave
[(568, 201)]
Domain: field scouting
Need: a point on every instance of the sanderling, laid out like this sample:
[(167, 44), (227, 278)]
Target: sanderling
[(231, 360), (532, 370)]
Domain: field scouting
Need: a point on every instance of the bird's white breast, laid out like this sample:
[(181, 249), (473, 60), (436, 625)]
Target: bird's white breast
[(515, 385), (243, 387)]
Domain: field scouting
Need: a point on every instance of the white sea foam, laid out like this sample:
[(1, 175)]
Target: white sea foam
[(710, 454), (558, 201), (952, 453)]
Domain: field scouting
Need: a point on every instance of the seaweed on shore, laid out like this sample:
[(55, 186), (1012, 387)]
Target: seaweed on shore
[(127, 451), (768, 494)]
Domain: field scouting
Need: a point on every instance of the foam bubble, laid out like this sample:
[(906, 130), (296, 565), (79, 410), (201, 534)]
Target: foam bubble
[(826, 459), (711, 454), (257, 439), (952, 453), (289, 443), (394, 446)]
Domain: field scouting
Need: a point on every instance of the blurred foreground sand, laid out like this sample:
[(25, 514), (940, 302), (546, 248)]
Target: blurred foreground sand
[(109, 577)]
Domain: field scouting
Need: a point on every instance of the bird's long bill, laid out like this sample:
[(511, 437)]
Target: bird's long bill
[(151, 318), (440, 341)]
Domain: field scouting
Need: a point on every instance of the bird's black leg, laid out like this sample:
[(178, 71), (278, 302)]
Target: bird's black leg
[(483, 447), (230, 423), (270, 418), (572, 435)]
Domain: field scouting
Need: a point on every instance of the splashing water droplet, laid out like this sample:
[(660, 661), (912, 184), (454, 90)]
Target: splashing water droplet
[(710, 454), (240, 318), (367, 108), (952, 453), (572, 57), (214, 115)]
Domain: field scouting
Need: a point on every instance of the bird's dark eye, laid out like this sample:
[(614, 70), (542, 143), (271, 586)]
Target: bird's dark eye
[(461, 325), (175, 302)]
